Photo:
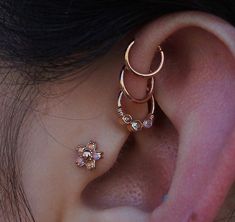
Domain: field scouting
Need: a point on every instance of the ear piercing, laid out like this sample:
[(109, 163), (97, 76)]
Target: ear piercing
[(143, 74), (126, 119), (149, 91), (87, 155)]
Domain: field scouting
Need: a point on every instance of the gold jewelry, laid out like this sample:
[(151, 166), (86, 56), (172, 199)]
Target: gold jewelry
[(127, 119), (149, 90), (143, 74), (87, 155)]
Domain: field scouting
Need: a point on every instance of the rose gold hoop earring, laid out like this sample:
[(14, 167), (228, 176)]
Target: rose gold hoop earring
[(149, 90), (132, 124), (87, 155), (126, 119), (143, 74)]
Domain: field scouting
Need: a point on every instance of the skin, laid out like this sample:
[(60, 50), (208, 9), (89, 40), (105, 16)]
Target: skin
[(188, 152)]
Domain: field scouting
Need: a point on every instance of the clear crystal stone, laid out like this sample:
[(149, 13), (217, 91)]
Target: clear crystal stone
[(91, 145), (148, 123), (127, 118), (136, 125), (86, 154)]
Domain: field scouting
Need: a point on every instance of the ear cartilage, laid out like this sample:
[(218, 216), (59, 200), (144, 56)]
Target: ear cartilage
[(126, 119), (88, 155)]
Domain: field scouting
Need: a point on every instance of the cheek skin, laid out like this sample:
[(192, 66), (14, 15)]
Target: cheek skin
[(51, 180)]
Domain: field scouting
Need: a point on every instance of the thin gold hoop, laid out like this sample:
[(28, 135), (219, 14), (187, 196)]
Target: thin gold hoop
[(126, 92), (143, 74), (132, 124)]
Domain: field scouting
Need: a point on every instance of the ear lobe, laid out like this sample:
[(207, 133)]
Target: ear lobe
[(196, 90)]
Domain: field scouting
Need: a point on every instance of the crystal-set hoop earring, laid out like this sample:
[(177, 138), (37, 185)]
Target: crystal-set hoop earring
[(132, 124)]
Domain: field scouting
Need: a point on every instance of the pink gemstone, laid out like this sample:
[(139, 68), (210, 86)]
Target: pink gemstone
[(90, 165), (80, 149), (91, 145), (80, 162), (96, 156)]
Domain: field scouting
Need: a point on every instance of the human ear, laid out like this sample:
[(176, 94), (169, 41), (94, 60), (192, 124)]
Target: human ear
[(196, 91)]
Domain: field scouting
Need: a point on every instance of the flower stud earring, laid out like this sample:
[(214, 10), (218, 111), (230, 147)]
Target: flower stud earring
[(87, 155)]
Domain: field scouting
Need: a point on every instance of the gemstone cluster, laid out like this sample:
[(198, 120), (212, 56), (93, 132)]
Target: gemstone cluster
[(136, 125), (87, 155)]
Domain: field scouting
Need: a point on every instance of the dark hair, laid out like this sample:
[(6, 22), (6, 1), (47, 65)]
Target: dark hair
[(43, 41)]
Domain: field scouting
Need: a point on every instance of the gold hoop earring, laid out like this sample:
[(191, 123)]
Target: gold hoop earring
[(143, 74), (132, 124), (149, 90)]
